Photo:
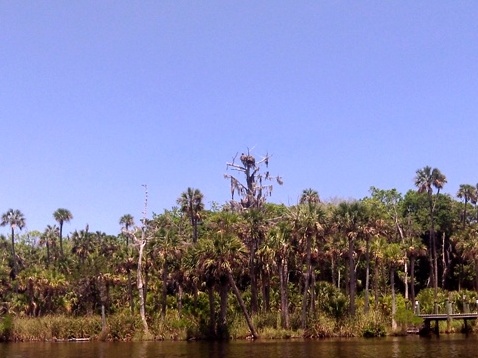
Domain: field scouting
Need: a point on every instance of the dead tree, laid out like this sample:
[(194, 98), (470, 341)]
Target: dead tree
[(252, 195), (139, 238), (257, 185)]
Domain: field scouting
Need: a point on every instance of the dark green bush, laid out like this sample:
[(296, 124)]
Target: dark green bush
[(6, 328), (374, 329)]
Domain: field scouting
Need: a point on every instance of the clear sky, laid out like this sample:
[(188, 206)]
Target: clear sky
[(100, 97)]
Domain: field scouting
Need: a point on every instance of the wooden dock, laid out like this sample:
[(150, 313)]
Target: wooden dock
[(428, 318)]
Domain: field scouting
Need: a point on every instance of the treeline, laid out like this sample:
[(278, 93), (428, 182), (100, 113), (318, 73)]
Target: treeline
[(278, 266)]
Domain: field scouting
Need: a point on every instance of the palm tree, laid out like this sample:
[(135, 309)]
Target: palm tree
[(48, 238), (349, 218), (127, 221), (62, 216), (217, 257), (371, 227), (191, 203), (15, 219), (468, 193), (83, 245), (278, 246), (426, 180), (414, 248), (167, 251), (309, 196), (308, 220), (394, 257)]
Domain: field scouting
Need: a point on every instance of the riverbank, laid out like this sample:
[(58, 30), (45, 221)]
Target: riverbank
[(126, 327)]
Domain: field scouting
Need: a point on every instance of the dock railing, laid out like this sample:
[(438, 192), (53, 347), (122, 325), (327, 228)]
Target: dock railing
[(448, 307)]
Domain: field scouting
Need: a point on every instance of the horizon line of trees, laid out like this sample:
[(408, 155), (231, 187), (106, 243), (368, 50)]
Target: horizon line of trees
[(299, 261)]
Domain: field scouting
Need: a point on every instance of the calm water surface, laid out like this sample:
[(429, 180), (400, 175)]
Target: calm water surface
[(452, 346)]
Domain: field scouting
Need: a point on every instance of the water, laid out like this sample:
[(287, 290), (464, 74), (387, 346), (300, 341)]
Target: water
[(452, 346)]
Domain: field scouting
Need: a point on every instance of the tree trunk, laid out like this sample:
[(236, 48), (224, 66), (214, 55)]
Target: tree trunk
[(223, 333), (445, 262), (352, 283), (47, 252), (194, 223), (312, 293), (394, 301), (212, 311), (253, 274), (367, 276), (266, 290), (14, 255), (61, 238), (254, 333), (434, 264), (283, 277), (412, 279), (476, 274), (142, 301), (307, 275), (338, 277), (332, 269), (164, 289), (130, 291), (180, 298), (375, 283)]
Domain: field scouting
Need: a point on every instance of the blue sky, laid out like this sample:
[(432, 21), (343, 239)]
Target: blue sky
[(100, 97)]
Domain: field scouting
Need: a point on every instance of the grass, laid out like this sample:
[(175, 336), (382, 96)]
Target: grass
[(127, 327)]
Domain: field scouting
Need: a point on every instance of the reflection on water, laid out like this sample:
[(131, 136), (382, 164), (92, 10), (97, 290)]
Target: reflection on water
[(413, 346)]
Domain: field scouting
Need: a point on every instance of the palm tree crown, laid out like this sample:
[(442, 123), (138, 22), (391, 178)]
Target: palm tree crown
[(62, 216), (309, 196), (191, 203), (126, 221), (15, 219), (468, 193), (427, 178)]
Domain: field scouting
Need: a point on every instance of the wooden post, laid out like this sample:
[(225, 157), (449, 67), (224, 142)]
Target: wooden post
[(427, 326), (448, 312)]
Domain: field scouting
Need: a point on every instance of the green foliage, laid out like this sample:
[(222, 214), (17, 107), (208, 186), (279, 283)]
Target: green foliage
[(463, 300), (406, 316), (55, 327), (322, 327), (331, 300), (123, 327), (263, 320), (371, 324), (59, 295), (427, 300), (176, 327), (6, 328), (374, 329)]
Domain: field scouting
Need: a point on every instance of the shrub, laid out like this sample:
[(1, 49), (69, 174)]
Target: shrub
[(6, 328)]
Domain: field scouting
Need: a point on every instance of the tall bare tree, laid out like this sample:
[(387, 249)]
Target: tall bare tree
[(253, 193), (140, 238)]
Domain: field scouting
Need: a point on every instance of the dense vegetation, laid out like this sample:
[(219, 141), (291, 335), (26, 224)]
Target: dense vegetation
[(247, 268)]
